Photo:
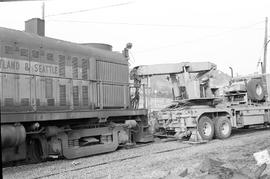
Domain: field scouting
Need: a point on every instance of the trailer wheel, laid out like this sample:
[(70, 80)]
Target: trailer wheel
[(206, 128), (223, 128)]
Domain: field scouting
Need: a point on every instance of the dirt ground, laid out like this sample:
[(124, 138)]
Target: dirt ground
[(156, 160)]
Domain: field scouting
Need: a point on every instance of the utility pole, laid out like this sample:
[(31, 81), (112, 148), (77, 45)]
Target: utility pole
[(43, 10), (265, 47)]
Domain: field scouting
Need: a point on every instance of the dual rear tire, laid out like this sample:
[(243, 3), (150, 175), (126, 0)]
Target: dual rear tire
[(221, 128)]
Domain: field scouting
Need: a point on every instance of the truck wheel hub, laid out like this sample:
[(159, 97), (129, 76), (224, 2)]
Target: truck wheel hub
[(225, 128), (207, 129)]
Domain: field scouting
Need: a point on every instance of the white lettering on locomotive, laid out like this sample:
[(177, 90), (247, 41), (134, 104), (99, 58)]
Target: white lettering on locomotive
[(23, 66), (9, 65)]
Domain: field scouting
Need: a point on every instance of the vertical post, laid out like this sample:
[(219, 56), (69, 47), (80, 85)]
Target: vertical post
[(144, 97), (35, 88), (148, 94), (125, 96), (101, 95), (2, 89), (30, 89), (265, 47), (43, 10), (71, 95)]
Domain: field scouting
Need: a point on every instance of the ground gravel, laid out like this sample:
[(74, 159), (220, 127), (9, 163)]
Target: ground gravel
[(156, 160)]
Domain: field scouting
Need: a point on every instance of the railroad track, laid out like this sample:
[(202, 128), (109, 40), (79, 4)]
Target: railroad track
[(112, 161), (235, 134)]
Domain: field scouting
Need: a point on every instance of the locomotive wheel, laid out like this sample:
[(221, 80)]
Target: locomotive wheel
[(34, 151), (255, 90), (223, 128), (206, 128)]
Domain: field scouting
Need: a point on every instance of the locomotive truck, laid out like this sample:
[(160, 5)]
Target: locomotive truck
[(64, 99)]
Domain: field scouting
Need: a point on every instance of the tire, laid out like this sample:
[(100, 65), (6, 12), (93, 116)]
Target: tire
[(223, 128), (255, 90), (206, 128)]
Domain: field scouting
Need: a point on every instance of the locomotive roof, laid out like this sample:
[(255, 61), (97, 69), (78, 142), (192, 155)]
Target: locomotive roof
[(35, 41)]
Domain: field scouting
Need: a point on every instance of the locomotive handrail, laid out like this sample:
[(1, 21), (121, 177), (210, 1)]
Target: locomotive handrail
[(67, 78)]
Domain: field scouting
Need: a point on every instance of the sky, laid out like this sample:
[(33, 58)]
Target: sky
[(228, 33)]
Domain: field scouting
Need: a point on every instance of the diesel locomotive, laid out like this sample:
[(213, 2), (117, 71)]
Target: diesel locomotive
[(64, 99)]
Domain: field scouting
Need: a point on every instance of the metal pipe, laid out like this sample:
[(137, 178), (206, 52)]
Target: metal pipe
[(265, 47), (231, 71)]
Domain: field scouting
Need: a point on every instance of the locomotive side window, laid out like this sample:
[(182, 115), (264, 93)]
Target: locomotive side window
[(24, 52), (9, 50), (75, 67), (35, 54), (62, 65), (50, 56), (84, 69)]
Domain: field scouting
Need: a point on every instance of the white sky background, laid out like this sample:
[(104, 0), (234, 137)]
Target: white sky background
[(227, 33)]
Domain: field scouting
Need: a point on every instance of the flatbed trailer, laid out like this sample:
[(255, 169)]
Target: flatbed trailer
[(214, 117)]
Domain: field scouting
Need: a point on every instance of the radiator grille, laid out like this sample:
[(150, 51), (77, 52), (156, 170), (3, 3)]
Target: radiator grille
[(75, 67), (84, 69), (85, 95), (62, 95), (75, 95), (62, 64)]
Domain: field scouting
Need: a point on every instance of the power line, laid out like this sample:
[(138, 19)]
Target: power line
[(141, 24), (18, 0), (86, 10), (201, 38)]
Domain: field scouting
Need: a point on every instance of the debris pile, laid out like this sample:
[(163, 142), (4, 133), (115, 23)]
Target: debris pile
[(215, 169)]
